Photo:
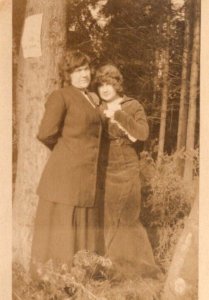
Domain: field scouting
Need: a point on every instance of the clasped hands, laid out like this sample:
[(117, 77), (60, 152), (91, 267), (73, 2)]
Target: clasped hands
[(110, 111)]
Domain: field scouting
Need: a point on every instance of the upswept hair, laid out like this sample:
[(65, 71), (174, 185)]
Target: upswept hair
[(72, 59), (109, 74)]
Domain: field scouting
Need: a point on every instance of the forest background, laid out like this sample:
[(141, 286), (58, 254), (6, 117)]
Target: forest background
[(154, 58)]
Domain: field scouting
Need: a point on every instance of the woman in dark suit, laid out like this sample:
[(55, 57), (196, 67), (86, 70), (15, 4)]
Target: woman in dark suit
[(124, 123), (68, 213)]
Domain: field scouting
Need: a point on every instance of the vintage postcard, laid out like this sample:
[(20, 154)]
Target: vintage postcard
[(104, 149)]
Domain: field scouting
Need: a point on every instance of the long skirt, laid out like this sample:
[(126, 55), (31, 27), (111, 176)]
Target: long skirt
[(61, 230), (126, 240)]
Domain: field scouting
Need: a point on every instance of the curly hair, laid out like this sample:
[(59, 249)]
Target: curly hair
[(109, 74), (72, 59)]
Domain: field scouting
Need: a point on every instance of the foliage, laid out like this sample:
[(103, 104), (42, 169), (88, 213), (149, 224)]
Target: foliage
[(131, 33), (128, 33), (92, 277), (85, 32), (166, 203)]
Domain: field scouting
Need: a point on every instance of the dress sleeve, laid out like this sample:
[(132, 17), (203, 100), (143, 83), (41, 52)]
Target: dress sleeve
[(52, 122), (135, 124)]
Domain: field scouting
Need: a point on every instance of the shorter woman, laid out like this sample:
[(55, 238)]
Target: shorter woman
[(124, 123)]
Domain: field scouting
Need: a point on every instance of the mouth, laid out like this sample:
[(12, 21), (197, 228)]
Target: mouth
[(84, 81)]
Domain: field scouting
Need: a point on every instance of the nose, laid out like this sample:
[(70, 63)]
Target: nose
[(104, 87), (84, 72)]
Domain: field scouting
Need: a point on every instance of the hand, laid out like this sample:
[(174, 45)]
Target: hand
[(109, 113), (112, 108)]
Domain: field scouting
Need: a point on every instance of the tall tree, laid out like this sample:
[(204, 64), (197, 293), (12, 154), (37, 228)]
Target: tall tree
[(193, 94), (85, 29), (183, 108), (37, 77), (165, 93), (157, 78), (181, 136)]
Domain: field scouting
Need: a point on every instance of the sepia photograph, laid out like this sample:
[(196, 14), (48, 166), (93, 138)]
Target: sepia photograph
[(105, 150)]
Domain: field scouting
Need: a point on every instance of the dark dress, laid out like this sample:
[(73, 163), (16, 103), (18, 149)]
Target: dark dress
[(126, 241), (68, 213)]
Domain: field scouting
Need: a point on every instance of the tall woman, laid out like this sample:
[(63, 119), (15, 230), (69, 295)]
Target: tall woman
[(124, 121), (67, 217)]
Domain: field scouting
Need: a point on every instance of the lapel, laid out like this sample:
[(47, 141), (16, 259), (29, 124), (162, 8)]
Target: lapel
[(126, 99), (91, 98)]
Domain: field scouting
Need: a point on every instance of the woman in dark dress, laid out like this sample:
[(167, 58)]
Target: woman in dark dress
[(68, 214), (124, 121)]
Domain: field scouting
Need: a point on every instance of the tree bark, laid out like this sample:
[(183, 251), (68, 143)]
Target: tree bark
[(183, 108), (165, 91), (194, 81), (156, 87), (157, 75), (182, 122), (37, 77)]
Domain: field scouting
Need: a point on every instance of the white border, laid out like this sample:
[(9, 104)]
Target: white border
[(5, 148)]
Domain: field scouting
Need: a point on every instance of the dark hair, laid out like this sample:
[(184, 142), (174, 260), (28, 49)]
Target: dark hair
[(72, 59), (109, 74)]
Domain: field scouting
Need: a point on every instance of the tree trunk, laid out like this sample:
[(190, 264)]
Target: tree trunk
[(165, 91), (194, 81), (37, 77), (157, 75), (183, 109), (156, 87), (181, 136), (182, 279)]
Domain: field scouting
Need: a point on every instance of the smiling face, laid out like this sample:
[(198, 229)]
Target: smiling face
[(81, 77), (107, 92)]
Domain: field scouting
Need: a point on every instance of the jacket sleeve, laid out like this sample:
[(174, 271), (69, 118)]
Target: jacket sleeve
[(51, 125), (135, 124)]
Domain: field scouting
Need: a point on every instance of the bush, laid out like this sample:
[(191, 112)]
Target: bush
[(166, 203)]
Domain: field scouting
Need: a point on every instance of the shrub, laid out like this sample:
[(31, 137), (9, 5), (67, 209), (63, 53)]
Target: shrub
[(166, 203)]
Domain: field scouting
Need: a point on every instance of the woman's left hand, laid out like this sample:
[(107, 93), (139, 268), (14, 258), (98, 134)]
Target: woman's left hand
[(112, 108), (109, 113)]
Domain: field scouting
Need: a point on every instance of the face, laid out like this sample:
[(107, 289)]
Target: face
[(107, 92), (81, 77)]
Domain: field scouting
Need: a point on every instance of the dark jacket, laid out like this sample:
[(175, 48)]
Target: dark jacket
[(119, 162), (71, 127), (131, 117)]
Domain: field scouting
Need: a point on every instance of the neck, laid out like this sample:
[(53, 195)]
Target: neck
[(83, 90), (116, 100), (80, 89)]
